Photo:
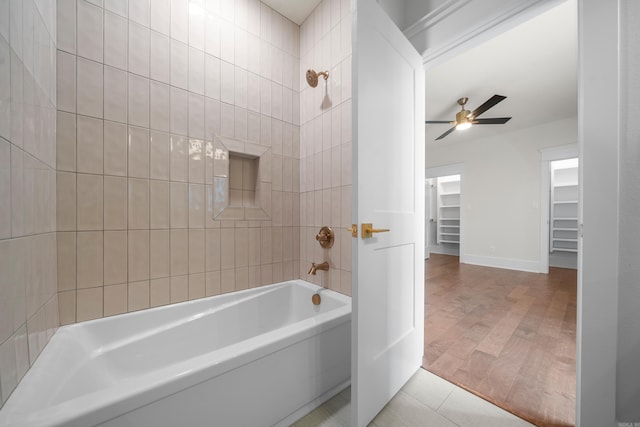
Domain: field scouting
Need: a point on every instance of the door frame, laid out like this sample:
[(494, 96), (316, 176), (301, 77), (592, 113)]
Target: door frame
[(548, 155), (445, 170), (440, 35)]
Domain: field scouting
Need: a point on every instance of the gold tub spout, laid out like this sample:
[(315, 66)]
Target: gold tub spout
[(315, 267)]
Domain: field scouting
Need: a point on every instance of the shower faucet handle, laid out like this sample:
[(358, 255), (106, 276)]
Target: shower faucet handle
[(325, 237)]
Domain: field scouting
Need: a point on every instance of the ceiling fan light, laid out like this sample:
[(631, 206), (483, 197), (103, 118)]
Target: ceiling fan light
[(463, 126)]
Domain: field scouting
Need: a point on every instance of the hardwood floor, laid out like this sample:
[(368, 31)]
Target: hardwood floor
[(507, 336)]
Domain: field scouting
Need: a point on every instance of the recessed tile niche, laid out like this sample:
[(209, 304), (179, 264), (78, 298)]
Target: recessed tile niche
[(241, 180)]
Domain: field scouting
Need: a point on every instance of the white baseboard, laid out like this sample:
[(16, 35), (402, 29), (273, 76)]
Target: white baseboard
[(445, 250), (506, 263)]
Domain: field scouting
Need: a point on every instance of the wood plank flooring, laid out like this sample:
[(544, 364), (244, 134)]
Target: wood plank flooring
[(507, 336)]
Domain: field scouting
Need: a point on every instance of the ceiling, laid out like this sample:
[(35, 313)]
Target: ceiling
[(533, 65), (295, 10)]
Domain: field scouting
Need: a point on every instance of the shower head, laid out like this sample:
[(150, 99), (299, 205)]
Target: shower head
[(312, 77)]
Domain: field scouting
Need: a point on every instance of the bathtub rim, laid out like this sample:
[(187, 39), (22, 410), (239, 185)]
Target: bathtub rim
[(97, 406)]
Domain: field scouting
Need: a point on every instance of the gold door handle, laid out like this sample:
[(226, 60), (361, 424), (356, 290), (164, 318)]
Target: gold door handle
[(368, 230), (354, 230)]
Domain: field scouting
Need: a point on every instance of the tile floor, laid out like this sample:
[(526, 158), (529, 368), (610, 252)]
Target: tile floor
[(426, 400)]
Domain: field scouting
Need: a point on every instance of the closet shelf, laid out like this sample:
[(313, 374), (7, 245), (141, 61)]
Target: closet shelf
[(563, 224), (448, 208)]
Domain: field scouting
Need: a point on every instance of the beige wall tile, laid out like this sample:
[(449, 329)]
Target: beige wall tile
[(138, 154), (66, 142), (227, 281), (8, 364), (196, 251), (159, 292), (212, 283), (160, 150), (66, 243), (212, 249), (266, 256), (6, 291), (17, 192), (241, 247), (196, 286), (254, 276), (138, 255), (90, 200), (115, 203), (179, 252), (196, 160), (115, 257), (159, 204), (179, 205), (67, 307), (254, 246), (266, 274), (36, 334), (89, 145), (179, 158), (138, 204), (115, 299), (66, 82), (115, 94), (89, 304), (276, 244), (227, 248), (66, 201), (179, 288), (89, 259), (196, 206), (138, 296), (242, 278), (115, 148), (159, 257)]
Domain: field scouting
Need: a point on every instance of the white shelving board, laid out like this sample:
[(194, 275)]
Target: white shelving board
[(563, 232), (448, 205)]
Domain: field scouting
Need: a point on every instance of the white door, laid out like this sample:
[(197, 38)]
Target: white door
[(388, 192)]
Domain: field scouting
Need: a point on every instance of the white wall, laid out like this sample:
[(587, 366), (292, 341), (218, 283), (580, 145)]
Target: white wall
[(501, 185)]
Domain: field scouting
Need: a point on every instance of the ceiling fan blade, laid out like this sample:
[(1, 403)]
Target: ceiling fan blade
[(446, 133), (488, 104), (495, 121), (431, 122)]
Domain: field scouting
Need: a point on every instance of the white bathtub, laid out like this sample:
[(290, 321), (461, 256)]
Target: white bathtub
[(259, 357)]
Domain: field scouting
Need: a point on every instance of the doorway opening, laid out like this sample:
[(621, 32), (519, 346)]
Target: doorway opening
[(508, 333), (563, 215), (443, 221)]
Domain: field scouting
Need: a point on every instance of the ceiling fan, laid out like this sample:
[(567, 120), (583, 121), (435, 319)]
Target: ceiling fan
[(465, 118)]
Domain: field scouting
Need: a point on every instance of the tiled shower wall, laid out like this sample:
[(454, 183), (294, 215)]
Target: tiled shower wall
[(28, 299), (143, 87), (325, 148)]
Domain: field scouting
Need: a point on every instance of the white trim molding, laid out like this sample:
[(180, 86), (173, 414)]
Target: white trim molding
[(547, 155), (457, 25), (506, 263)]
